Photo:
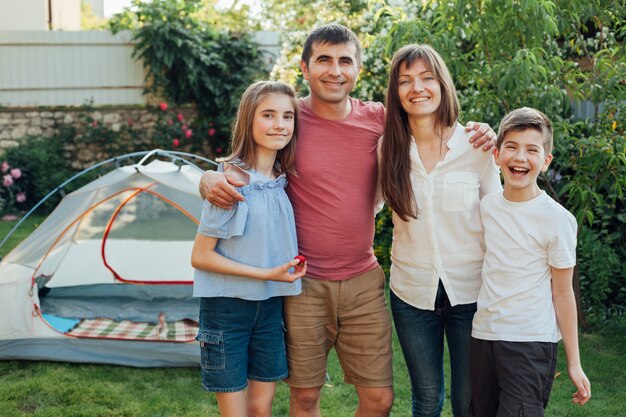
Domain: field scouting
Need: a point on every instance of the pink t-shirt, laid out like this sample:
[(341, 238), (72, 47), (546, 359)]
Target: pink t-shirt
[(333, 194)]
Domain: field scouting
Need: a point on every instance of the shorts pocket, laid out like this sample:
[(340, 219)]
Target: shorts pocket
[(460, 191), (530, 410), (211, 349)]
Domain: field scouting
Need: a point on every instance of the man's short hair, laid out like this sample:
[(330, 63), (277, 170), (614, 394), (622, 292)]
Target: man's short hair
[(332, 34), (526, 118)]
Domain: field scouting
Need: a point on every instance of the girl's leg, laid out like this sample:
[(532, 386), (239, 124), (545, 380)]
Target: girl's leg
[(259, 398), (420, 333), (231, 404)]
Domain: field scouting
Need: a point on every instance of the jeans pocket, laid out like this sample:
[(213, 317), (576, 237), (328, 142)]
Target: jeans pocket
[(211, 349)]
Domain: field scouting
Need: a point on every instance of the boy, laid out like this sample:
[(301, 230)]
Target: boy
[(526, 301)]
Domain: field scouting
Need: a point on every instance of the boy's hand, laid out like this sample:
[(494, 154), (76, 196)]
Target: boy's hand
[(219, 189), (484, 135), (583, 387), (282, 274)]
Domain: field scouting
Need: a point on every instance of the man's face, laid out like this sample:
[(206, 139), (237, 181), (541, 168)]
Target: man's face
[(332, 71)]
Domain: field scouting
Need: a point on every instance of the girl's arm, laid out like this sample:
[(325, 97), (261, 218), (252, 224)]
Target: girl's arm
[(204, 257), (565, 309)]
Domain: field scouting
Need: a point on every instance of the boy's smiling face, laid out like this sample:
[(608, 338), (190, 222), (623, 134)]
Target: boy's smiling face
[(521, 158)]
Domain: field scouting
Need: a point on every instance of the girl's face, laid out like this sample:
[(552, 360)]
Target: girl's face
[(273, 123), (419, 89)]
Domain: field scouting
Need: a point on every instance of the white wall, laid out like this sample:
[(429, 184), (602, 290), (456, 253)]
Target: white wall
[(68, 68), (65, 14), (53, 68), (23, 14)]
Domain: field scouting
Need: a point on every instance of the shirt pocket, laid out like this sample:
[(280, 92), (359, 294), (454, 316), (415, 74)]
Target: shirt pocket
[(460, 191)]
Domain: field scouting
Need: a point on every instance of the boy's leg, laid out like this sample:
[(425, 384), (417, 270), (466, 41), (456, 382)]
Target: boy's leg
[(526, 372), (231, 404), (484, 379), (420, 333), (458, 322), (364, 341), (259, 397)]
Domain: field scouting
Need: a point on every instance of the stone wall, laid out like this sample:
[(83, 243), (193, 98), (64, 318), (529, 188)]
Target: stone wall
[(18, 124)]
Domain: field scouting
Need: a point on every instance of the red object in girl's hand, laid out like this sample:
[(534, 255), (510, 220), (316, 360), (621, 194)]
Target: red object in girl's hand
[(301, 259)]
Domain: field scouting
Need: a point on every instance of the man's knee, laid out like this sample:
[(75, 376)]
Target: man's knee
[(376, 400), (305, 398)]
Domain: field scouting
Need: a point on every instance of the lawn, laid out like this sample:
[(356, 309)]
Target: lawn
[(65, 389)]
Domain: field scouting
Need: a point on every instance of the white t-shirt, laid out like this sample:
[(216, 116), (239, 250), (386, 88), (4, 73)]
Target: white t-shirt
[(446, 240), (523, 241)]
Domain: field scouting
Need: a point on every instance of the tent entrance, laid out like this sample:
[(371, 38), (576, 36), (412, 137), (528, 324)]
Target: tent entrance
[(122, 311)]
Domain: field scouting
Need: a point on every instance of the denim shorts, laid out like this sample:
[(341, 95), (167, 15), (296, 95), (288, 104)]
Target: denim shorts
[(241, 340)]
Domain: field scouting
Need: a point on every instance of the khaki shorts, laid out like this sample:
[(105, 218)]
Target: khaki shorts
[(350, 316)]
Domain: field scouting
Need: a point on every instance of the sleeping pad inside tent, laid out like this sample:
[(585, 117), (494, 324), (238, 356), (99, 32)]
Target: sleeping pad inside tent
[(106, 278)]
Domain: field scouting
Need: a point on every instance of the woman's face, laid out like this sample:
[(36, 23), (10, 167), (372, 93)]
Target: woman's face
[(419, 90)]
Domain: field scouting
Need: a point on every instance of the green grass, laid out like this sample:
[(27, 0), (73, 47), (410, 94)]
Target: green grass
[(64, 389)]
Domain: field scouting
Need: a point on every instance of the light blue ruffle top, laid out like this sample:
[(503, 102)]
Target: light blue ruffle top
[(259, 232)]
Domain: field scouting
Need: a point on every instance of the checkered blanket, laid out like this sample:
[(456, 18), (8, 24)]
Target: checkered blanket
[(179, 331)]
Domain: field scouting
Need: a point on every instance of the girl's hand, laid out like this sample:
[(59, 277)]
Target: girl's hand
[(583, 387), (281, 273)]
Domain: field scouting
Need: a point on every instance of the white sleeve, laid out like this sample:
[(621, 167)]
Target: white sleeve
[(562, 242)]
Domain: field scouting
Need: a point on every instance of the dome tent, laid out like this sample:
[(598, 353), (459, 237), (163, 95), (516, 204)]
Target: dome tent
[(106, 277)]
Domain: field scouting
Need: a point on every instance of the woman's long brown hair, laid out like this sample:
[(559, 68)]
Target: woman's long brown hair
[(396, 147)]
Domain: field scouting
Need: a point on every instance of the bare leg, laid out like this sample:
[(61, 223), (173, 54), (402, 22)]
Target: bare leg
[(304, 402), (260, 396), (231, 404), (374, 402)]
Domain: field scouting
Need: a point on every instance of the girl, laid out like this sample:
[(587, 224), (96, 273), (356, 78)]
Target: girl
[(244, 258), (433, 179)]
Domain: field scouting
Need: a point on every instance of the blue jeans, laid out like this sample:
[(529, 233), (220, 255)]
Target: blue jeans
[(420, 333)]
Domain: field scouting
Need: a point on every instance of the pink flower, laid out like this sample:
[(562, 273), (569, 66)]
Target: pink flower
[(188, 133), (94, 124), (5, 166), (7, 180), (212, 132), (130, 122), (180, 117), (169, 122), (20, 197), (218, 150), (163, 106), (175, 143), (184, 127), (16, 173)]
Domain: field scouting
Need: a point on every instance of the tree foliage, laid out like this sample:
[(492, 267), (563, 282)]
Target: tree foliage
[(190, 61)]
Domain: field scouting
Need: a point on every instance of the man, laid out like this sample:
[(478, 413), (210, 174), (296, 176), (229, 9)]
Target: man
[(342, 304)]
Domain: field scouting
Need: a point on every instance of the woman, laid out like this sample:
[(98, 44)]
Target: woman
[(433, 179)]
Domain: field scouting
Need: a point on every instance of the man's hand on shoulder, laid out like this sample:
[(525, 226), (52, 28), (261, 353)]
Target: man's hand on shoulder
[(483, 135), (219, 189)]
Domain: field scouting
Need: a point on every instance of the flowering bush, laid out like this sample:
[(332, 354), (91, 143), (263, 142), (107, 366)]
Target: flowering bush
[(12, 197), (176, 131)]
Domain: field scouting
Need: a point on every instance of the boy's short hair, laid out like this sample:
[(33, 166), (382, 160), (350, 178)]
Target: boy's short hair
[(332, 34), (526, 118)]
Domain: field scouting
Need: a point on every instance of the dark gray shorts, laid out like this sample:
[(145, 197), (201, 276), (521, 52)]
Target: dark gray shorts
[(511, 379)]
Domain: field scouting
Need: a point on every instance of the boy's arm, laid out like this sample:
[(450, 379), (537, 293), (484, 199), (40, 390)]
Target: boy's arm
[(205, 258), (565, 309)]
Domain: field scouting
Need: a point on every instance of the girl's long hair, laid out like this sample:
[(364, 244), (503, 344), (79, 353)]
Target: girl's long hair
[(396, 147), (242, 141)]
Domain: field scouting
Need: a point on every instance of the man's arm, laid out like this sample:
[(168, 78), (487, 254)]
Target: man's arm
[(565, 309), (484, 135), (219, 189)]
